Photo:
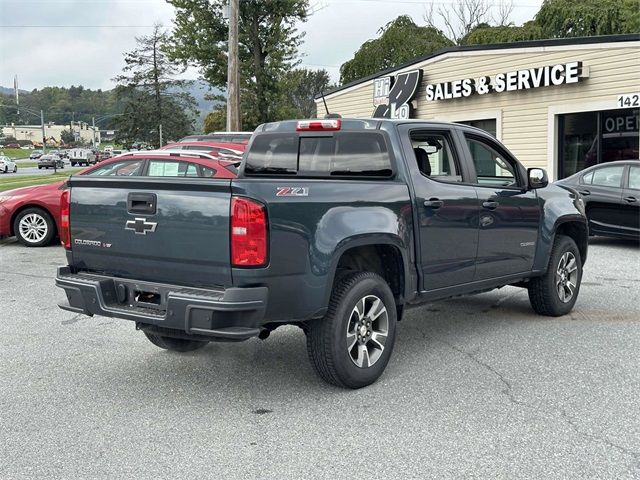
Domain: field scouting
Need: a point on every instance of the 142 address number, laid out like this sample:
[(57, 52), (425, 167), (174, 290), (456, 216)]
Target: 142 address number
[(630, 100)]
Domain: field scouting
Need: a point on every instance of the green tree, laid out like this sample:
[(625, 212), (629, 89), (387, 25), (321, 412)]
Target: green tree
[(300, 89), (484, 34), (152, 93), (400, 41), (268, 47), (579, 18), (215, 121), (67, 136)]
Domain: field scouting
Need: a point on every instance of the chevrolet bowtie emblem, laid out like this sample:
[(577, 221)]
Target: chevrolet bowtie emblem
[(140, 226)]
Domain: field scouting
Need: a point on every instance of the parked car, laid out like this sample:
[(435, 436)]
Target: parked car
[(32, 214), (611, 193), (50, 160), (333, 225), (12, 145), (7, 165), (213, 148), (36, 154), (232, 137)]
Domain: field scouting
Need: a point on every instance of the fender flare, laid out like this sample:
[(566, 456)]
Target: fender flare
[(370, 239)]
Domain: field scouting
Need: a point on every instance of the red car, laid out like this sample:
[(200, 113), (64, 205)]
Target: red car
[(32, 214), (213, 148)]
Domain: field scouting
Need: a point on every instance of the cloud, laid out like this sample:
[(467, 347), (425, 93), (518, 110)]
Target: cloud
[(37, 44)]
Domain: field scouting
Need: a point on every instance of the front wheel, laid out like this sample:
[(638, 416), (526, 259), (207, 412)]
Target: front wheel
[(175, 344), (351, 346), (15, 169), (34, 227), (555, 293)]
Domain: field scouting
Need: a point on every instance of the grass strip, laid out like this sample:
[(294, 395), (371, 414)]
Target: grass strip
[(9, 183)]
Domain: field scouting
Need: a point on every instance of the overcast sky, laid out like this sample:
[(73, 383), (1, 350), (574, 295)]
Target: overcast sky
[(81, 42)]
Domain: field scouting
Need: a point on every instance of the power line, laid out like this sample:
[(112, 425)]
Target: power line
[(76, 26)]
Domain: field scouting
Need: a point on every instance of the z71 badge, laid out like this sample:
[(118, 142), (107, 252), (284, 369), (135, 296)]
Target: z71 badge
[(292, 191)]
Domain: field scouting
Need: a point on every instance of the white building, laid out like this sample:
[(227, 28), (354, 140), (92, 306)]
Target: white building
[(81, 131)]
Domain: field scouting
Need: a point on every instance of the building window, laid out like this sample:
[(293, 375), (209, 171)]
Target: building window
[(589, 138), (488, 125)]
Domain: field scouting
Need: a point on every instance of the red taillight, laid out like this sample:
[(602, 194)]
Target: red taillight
[(248, 233), (314, 125), (65, 230)]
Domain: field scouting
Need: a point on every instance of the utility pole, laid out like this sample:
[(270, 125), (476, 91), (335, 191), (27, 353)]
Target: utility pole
[(44, 136), (233, 77), (160, 131), (93, 124)]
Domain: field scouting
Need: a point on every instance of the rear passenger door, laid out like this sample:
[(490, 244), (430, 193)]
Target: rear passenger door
[(509, 212), (446, 208)]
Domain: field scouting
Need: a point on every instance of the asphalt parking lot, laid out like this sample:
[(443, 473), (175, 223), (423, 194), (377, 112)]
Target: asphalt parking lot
[(478, 387)]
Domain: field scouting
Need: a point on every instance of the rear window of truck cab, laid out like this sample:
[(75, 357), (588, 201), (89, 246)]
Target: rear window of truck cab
[(339, 154)]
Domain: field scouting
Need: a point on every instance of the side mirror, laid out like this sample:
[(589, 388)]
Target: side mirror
[(537, 178)]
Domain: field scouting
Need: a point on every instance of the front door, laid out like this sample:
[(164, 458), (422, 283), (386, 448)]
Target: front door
[(509, 214), (446, 210), (602, 192)]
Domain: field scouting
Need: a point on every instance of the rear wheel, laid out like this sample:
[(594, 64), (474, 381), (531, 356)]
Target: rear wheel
[(175, 344), (34, 227), (556, 292), (351, 346)]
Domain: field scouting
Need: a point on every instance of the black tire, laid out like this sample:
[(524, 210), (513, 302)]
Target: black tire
[(327, 337), (50, 227), (73, 164), (39, 167), (15, 169), (6, 169), (174, 344), (544, 291)]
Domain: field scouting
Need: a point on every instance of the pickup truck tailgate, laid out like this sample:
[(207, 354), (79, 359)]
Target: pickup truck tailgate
[(168, 230)]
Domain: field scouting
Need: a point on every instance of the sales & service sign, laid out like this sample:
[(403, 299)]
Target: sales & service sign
[(516, 80)]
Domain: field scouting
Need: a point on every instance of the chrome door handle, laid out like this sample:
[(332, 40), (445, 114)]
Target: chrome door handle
[(490, 205), (584, 192), (433, 203)]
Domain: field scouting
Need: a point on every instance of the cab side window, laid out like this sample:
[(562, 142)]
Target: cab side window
[(492, 168), (434, 156)]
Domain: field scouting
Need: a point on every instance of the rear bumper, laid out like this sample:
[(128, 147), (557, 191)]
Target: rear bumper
[(230, 314)]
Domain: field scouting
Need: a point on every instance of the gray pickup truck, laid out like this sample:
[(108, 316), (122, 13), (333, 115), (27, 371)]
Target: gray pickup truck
[(334, 225)]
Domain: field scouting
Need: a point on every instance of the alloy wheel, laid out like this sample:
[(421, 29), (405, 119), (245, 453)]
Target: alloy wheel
[(566, 277), (33, 228), (367, 331)]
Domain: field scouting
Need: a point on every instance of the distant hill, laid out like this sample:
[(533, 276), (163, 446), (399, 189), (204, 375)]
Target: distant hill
[(9, 91), (199, 89), (97, 103)]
